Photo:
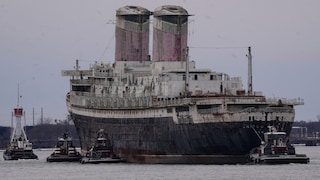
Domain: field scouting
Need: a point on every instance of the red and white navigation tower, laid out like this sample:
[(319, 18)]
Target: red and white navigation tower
[(19, 147)]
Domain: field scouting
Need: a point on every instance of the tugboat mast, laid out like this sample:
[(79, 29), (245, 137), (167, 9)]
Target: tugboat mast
[(18, 132)]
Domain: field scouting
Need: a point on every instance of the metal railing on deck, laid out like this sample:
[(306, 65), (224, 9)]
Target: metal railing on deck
[(100, 101), (298, 101)]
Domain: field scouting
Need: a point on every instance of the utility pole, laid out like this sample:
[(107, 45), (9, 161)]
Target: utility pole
[(32, 116), (41, 115)]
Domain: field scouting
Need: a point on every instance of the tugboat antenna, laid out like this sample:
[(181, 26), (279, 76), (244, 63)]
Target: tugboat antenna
[(18, 96)]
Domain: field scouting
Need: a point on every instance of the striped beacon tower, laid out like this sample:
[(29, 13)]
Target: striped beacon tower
[(18, 134)]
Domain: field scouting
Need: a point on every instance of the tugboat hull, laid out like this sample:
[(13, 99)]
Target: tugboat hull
[(63, 159), (284, 159), (22, 154)]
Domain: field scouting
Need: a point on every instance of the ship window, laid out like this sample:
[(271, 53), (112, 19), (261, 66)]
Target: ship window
[(195, 77), (204, 106), (213, 77), (81, 88)]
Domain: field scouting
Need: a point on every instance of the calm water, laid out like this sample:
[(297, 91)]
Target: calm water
[(40, 169)]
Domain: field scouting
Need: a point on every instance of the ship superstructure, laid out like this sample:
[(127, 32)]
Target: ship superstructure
[(164, 109)]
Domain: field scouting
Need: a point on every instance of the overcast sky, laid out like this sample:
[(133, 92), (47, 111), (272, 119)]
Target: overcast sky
[(39, 38)]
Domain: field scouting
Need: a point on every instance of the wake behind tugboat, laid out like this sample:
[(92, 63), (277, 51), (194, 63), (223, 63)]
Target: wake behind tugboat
[(19, 146), (101, 152), (64, 151)]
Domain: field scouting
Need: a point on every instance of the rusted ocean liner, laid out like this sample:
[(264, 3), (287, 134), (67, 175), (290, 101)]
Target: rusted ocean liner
[(164, 109)]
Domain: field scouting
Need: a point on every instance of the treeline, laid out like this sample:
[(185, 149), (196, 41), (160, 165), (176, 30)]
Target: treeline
[(42, 135), (312, 126)]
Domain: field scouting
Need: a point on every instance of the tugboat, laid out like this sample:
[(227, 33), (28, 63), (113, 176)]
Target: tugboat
[(101, 151), (275, 149), (64, 151), (19, 146)]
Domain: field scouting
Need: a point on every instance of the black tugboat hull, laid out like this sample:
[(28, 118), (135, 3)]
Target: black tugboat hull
[(63, 159), (15, 155), (284, 159)]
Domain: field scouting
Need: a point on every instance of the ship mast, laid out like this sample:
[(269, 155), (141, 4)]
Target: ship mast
[(187, 73), (249, 71), (77, 67)]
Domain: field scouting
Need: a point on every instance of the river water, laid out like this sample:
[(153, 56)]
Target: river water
[(40, 169)]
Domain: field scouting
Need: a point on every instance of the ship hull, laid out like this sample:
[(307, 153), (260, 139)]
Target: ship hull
[(161, 140)]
